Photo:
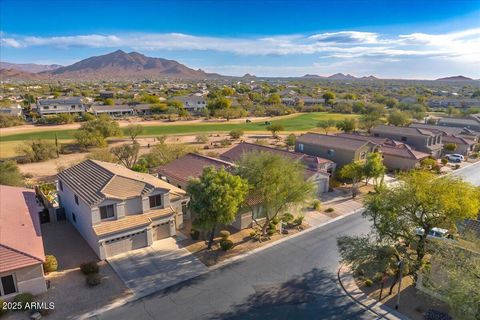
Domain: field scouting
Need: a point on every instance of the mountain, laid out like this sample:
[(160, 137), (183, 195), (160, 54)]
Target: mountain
[(370, 77), (341, 76), (455, 78), (312, 76), (12, 74), (122, 65), (29, 67)]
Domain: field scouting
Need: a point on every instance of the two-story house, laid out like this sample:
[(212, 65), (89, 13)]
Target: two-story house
[(73, 105), (116, 209), (419, 139), (340, 150), (193, 103), (21, 245), (471, 122)]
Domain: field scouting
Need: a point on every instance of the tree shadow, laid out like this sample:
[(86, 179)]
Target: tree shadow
[(313, 295)]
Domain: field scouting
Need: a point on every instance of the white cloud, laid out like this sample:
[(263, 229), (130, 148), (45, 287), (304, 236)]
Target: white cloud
[(458, 48)]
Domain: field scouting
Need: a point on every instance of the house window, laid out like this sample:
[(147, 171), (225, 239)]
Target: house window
[(46, 108), (107, 212), (74, 218), (300, 147), (404, 139), (375, 135), (362, 155), (7, 285), (331, 152), (76, 199), (60, 185), (155, 201)]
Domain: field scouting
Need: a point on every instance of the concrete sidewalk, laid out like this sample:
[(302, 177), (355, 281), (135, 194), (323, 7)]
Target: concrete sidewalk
[(350, 287)]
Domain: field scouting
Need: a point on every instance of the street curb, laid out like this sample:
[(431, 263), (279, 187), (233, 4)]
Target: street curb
[(377, 308), (222, 264)]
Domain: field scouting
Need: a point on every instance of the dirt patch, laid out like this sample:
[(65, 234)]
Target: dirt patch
[(413, 303)]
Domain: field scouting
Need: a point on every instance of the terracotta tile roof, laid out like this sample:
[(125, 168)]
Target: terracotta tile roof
[(190, 166), (21, 242), (106, 228), (402, 130), (93, 181), (329, 141), (457, 140)]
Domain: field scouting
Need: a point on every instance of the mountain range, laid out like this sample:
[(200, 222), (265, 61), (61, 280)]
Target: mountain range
[(119, 65)]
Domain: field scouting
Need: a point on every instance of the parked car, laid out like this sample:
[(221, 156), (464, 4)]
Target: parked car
[(455, 157), (437, 233)]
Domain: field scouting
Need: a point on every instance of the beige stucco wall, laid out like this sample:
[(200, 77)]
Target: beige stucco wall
[(29, 279)]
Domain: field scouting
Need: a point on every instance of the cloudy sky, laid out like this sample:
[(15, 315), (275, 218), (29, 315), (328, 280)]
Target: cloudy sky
[(401, 39)]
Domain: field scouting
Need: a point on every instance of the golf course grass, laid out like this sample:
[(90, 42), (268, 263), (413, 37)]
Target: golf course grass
[(301, 122)]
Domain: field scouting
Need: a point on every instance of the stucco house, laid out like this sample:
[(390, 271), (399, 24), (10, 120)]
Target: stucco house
[(21, 246), (116, 209), (72, 105), (419, 139), (193, 103), (471, 122), (338, 149)]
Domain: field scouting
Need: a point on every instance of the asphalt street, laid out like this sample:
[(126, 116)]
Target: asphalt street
[(470, 174), (295, 279)]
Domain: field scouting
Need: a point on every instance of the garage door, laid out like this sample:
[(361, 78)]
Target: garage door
[(125, 243), (161, 231)]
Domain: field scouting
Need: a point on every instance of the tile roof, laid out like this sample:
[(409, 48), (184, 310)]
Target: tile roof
[(190, 166), (21, 242), (444, 129), (115, 108), (106, 228), (329, 141), (93, 181), (402, 130)]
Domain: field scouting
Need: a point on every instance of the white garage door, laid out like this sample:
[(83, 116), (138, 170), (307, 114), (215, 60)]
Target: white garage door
[(125, 243), (161, 231)]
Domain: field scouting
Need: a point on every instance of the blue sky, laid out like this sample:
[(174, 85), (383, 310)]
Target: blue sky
[(395, 39)]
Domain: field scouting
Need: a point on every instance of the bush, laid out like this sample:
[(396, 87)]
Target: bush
[(201, 138), (50, 264), (195, 234), (456, 166), (316, 204), (89, 268), (276, 220), (23, 299), (271, 232), (10, 121), (93, 279), (287, 217), (432, 314), (329, 210), (236, 134), (378, 277), (2, 311), (299, 220), (368, 282), (226, 244), (253, 234), (224, 234), (444, 161)]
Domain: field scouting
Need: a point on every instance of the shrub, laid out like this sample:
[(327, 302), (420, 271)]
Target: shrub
[(456, 166), (224, 234), (271, 232), (201, 138), (23, 299), (368, 282), (316, 204), (298, 220), (276, 220), (50, 264), (93, 279), (444, 161), (226, 244), (253, 234), (88, 268), (2, 310), (195, 234), (329, 210), (236, 134), (287, 217), (377, 277)]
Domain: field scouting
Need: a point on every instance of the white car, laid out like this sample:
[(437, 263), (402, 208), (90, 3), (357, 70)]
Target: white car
[(434, 233), (455, 157)]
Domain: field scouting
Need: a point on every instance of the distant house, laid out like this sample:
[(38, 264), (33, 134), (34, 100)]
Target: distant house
[(113, 111), (396, 155), (21, 245), (142, 109), (72, 105), (317, 169), (338, 149), (106, 94), (472, 122), (116, 209), (193, 103), (419, 139), (308, 101), (14, 111)]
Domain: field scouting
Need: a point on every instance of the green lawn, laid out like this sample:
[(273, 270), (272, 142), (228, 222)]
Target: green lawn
[(301, 122)]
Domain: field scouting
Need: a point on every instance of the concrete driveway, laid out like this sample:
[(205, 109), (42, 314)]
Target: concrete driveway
[(154, 268)]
